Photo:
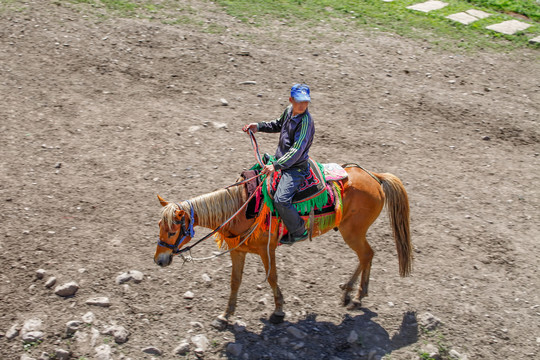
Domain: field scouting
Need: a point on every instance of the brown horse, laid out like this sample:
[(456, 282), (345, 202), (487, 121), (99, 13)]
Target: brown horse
[(364, 196)]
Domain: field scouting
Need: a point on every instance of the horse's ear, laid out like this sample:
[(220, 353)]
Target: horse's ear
[(162, 201)]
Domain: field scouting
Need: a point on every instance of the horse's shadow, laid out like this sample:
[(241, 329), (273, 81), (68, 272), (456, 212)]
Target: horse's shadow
[(357, 337)]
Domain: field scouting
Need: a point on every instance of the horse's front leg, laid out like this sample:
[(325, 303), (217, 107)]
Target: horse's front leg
[(238, 260), (269, 261)]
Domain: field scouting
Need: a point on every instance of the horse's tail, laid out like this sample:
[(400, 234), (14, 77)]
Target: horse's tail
[(397, 205)]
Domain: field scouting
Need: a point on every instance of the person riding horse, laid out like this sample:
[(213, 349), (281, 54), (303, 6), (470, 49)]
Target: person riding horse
[(296, 129)]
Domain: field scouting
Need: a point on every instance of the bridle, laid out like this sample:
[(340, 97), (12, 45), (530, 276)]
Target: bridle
[(183, 231)]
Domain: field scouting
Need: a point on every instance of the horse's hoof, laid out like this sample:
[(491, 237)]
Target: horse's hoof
[(277, 319), (220, 323), (346, 300), (354, 305)]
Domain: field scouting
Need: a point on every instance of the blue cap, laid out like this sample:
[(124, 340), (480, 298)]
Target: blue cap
[(300, 93)]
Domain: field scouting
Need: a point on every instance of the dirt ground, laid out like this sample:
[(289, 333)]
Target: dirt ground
[(100, 115)]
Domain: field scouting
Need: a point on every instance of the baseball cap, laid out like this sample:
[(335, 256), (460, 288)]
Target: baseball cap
[(300, 93)]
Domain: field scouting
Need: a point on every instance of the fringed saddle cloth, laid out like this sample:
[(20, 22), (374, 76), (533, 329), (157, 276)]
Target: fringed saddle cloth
[(321, 191)]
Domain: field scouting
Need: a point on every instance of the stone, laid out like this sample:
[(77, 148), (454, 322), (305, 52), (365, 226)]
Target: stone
[(33, 336), (34, 324), (152, 351), (61, 354), (239, 326), (478, 13), (224, 102), (509, 27), (196, 325), (248, 83), (72, 327), (68, 289), (535, 40), (89, 317), (189, 295), (103, 352), (353, 337), (453, 354), (429, 321), (13, 331), (206, 278), (40, 273), (99, 301), (123, 278), (181, 349), (50, 282), (201, 342), (119, 333), (431, 350), (462, 18), (428, 6), (134, 275), (26, 357), (219, 125), (234, 349), (299, 334)]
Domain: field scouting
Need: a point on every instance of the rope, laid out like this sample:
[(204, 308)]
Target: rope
[(190, 258)]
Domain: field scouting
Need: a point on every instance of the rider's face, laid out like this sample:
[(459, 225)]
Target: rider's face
[(298, 107)]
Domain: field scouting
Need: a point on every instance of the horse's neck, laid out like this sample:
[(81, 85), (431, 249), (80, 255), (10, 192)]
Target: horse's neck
[(213, 209)]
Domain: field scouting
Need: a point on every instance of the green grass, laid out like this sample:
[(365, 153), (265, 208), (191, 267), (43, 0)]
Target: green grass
[(394, 17), (529, 8), (343, 15)]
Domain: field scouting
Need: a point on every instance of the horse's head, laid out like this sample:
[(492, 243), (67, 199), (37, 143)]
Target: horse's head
[(175, 231)]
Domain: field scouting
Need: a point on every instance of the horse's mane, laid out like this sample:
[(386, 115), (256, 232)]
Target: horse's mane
[(211, 209)]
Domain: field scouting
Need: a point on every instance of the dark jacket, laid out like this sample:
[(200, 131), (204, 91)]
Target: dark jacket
[(295, 138)]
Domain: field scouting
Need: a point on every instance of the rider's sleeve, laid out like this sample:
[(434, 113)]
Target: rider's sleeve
[(273, 126), (301, 142)]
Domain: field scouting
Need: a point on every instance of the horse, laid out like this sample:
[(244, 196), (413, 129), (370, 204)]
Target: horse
[(364, 194)]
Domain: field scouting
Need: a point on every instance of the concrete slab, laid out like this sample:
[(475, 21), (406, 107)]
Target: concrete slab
[(535, 40), (478, 13), (462, 18), (428, 6), (509, 27)]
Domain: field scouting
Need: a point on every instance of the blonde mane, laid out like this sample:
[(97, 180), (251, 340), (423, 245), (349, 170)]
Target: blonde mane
[(212, 209)]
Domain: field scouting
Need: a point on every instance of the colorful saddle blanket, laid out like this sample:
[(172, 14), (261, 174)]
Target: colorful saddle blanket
[(315, 192)]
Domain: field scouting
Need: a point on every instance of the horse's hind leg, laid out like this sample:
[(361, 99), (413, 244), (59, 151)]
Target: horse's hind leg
[(238, 260), (270, 266), (359, 244)]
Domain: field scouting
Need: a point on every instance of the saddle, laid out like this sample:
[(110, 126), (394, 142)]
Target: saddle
[(315, 192)]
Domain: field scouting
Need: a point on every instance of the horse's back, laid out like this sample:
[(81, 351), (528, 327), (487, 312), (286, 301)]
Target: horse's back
[(363, 198)]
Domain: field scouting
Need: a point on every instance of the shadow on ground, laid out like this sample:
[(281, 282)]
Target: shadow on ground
[(356, 337)]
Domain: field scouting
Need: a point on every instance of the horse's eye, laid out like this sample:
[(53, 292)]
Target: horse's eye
[(172, 234)]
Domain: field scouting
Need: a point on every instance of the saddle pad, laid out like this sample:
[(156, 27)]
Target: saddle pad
[(334, 172), (312, 186)]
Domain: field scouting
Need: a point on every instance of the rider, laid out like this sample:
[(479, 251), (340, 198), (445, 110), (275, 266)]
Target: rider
[(296, 130)]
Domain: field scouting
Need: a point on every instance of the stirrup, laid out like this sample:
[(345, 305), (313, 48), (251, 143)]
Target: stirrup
[(289, 240)]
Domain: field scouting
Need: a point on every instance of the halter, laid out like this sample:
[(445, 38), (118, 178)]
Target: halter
[(183, 231)]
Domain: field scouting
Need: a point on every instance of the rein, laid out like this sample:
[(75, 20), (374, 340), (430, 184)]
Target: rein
[(191, 232)]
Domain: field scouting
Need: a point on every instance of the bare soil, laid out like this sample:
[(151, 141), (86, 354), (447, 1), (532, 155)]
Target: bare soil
[(99, 115)]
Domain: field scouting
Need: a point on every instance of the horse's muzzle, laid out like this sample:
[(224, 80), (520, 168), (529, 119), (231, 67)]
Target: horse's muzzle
[(163, 259)]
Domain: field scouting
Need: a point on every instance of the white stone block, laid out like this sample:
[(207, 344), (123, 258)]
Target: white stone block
[(428, 6), (535, 40), (509, 27), (478, 13), (462, 18)]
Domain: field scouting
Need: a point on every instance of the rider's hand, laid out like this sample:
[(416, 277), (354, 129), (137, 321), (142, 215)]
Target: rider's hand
[(252, 127), (268, 169)]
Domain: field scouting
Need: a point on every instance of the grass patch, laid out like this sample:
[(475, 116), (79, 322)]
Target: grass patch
[(392, 17), (341, 15), (528, 8)]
